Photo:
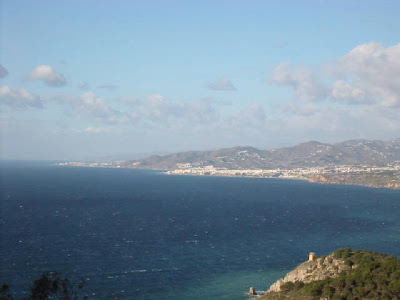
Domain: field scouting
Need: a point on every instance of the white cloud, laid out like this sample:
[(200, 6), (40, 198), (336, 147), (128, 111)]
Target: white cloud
[(368, 74), (90, 105), (221, 85), (343, 91), (48, 75), (159, 111), (3, 72), (154, 111), (375, 69), (18, 98), (338, 122), (302, 80)]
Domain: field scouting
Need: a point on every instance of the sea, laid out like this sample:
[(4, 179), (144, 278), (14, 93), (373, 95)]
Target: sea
[(144, 234)]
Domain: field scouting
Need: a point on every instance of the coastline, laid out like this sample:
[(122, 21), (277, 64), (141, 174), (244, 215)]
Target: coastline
[(380, 178), (376, 180), (310, 180)]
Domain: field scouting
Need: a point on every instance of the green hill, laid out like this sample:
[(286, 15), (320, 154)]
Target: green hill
[(368, 275)]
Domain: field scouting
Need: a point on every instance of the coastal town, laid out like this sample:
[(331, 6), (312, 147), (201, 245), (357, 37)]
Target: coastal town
[(387, 176), (188, 169), (373, 176)]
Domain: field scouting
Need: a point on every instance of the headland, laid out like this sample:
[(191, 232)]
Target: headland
[(343, 274)]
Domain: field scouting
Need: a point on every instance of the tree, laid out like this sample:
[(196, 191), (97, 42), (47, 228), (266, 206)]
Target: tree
[(5, 293), (54, 286), (49, 286)]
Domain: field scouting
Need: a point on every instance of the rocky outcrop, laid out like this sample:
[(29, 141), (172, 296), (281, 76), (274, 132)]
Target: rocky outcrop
[(317, 269), (252, 291), (344, 274)]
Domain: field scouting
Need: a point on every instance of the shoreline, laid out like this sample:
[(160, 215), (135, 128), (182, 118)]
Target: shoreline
[(316, 178), (310, 180)]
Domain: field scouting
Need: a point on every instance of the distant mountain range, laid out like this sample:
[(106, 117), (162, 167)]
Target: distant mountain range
[(123, 157), (310, 154)]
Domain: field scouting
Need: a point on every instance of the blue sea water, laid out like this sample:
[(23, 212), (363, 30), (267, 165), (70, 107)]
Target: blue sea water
[(141, 234)]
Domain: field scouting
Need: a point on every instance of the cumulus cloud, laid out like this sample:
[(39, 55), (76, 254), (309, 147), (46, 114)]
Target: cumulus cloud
[(375, 69), (368, 74), (221, 85), (338, 122), (3, 72), (89, 104), (343, 91), (153, 111), (157, 109), (367, 78), (48, 75), (302, 80), (18, 98)]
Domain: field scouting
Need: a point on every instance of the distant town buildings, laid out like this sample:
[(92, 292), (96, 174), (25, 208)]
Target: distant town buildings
[(188, 169), (375, 176)]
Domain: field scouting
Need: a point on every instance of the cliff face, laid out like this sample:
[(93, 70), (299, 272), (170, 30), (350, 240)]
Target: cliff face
[(317, 269)]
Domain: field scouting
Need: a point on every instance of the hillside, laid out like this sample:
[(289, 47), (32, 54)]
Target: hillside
[(378, 180), (310, 154), (344, 274)]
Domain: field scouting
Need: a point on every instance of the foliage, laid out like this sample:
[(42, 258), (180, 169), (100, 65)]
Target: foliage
[(373, 276), (292, 286), (49, 286), (5, 292)]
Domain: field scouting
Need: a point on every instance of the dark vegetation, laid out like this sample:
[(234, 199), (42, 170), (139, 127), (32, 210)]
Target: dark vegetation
[(373, 276), (49, 286)]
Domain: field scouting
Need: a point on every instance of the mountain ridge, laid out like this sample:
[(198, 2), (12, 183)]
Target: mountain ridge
[(308, 154)]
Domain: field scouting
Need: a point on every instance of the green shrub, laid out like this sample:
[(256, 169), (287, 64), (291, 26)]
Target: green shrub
[(342, 253), (288, 286)]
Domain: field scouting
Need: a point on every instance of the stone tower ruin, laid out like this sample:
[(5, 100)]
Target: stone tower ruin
[(311, 256)]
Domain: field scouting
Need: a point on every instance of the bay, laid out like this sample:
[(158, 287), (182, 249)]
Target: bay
[(142, 234)]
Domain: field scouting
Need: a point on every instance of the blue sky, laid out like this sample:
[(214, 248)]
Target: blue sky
[(82, 79)]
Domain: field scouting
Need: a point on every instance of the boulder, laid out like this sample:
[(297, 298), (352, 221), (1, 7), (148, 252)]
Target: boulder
[(252, 291)]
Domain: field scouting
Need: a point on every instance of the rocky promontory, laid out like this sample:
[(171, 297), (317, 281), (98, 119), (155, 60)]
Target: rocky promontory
[(314, 269), (345, 274)]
